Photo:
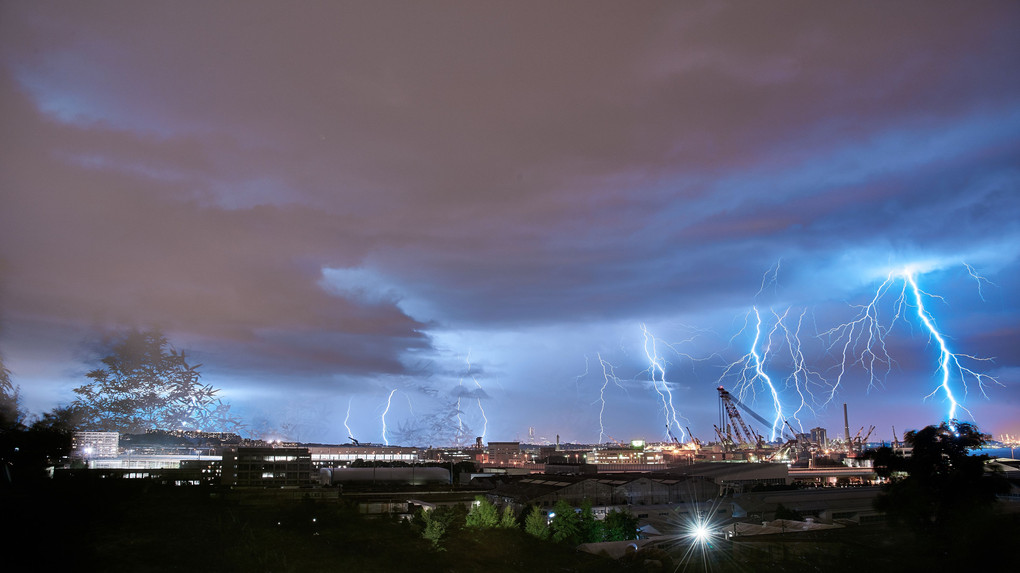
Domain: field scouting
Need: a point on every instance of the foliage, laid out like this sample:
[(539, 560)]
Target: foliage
[(27, 452), (11, 415), (620, 526), (137, 525), (434, 531), (144, 383), (482, 515), (508, 520), (944, 494), (591, 529), (566, 524), (535, 523), (440, 522)]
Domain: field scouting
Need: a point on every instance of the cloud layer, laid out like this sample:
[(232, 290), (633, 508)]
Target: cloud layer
[(473, 200)]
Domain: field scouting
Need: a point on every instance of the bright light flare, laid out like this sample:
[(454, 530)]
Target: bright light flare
[(695, 534), (701, 533)]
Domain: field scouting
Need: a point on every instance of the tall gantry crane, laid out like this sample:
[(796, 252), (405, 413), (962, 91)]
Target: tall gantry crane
[(728, 410)]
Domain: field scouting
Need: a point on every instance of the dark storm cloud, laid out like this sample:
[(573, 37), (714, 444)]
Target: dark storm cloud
[(473, 393), (345, 192)]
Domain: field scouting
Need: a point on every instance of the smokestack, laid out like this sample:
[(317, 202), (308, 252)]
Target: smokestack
[(557, 442), (846, 425)]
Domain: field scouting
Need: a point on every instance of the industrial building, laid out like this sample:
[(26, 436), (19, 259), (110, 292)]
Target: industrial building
[(266, 467), (93, 445)]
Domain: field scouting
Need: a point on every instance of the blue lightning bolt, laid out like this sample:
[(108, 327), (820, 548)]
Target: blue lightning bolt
[(979, 279), (485, 419), (579, 377), (803, 379), (750, 368), (657, 368), (607, 375), (460, 419), (350, 434), (947, 359), (863, 339), (389, 399)]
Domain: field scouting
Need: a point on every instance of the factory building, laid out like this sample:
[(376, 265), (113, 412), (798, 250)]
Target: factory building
[(266, 467)]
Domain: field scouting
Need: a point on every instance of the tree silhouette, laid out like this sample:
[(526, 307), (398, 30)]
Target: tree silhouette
[(11, 414), (940, 493), (144, 383)]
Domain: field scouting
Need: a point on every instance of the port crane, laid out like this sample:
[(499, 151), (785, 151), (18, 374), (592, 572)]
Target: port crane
[(864, 440), (728, 405), (697, 442)]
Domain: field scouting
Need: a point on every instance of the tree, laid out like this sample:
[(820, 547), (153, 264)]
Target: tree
[(941, 493), (144, 383), (508, 520), (28, 453), (482, 515), (620, 526), (536, 523), (591, 529), (440, 521), (566, 524), (11, 414)]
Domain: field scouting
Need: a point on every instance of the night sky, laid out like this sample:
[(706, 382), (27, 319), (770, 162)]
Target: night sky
[(496, 202)]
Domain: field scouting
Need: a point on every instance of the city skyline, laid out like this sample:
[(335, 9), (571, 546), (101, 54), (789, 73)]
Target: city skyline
[(573, 218)]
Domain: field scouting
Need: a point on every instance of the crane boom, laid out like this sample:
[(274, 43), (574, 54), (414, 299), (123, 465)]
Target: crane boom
[(864, 440), (727, 396)]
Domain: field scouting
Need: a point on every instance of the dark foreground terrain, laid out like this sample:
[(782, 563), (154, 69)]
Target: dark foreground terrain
[(139, 527)]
